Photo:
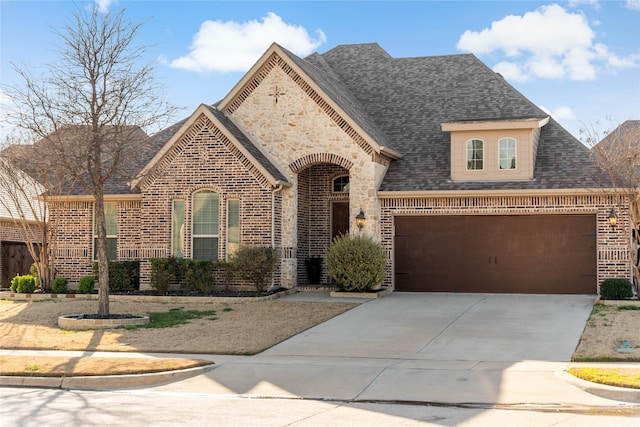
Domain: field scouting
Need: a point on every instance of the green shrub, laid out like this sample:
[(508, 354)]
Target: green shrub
[(60, 285), (616, 289), (356, 263), (197, 276), (256, 265), (165, 272), (86, 284), (24, 284), (124, 276)]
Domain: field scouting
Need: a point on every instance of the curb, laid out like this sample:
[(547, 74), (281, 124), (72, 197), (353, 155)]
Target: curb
[(101, 382), (621, 394)]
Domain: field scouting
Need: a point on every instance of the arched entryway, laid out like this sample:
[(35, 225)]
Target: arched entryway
[(323, 213)]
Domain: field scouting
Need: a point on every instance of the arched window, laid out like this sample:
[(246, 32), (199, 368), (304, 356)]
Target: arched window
[(341, 184), (205, 220), (507, 153), (475, 154)]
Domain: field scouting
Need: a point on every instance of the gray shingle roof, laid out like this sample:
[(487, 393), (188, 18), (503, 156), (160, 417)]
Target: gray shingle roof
[(409, 98)]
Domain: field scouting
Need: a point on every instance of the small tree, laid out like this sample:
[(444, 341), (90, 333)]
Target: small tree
[(88, 109)]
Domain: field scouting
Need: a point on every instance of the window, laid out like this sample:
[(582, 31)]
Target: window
[(507, 153), (233, 226), (341, 184), (205, 225), (111, 218), (177, 229), (475, 154)]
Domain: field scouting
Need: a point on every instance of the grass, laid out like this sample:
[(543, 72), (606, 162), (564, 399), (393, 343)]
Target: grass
[(175, 317), (621, 377)]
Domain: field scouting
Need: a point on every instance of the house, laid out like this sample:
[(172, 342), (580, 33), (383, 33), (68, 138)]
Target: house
[(467, 184), (20, 214)]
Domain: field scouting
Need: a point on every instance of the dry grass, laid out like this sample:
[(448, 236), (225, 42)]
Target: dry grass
[(242, 328)]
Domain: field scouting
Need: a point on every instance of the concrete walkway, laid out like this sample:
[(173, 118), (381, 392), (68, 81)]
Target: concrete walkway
[(465, 349)]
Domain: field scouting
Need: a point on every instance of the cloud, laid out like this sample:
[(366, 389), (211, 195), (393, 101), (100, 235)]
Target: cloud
[(234, 46), (561, 113), (548, 43), (103, 5), (633, 4)]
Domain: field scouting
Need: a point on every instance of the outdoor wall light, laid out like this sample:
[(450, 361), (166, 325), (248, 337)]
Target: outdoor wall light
[(360, 219), (612, 218)]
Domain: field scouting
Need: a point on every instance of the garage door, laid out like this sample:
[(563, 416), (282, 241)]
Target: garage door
[(498, 254)]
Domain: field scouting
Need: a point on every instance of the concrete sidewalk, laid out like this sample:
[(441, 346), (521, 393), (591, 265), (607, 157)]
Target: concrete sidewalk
[(485, 350)]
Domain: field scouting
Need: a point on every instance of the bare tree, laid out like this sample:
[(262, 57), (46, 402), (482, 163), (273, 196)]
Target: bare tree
[(616, 151), (88, 109), (24, 196)]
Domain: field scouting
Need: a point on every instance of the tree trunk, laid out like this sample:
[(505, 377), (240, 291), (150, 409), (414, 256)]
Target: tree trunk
[(103, 262)]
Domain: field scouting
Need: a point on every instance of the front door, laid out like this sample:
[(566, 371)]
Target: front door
[(339, 219)]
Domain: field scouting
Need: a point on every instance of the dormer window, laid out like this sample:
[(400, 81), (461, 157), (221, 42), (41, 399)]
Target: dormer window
[(475, 154), (507, 153), (494, 150)]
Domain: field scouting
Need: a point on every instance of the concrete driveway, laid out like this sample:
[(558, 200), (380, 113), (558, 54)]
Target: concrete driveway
[(421, 347)]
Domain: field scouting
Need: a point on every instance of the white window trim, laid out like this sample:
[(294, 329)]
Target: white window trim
[(515, 149), (466, 155), (204, 236)]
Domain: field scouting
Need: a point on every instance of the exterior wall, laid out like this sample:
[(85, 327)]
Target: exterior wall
[(525, 155), (297, 129), (203, 160), (74, 239), (612, 252)]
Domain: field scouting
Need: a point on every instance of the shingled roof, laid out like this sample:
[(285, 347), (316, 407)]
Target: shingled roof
[(408, 99)]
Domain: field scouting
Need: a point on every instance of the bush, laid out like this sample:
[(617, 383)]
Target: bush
[(197, 276), (256, 264), (356, 263), (164, 272), (616, 289), (86, 284), (60, 285), (124, 276), (24, 284)]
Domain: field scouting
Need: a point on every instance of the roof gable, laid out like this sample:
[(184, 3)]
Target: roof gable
[(328, 93), (249, 154)]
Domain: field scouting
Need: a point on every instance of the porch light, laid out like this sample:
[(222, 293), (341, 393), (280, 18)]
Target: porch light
[(360, 219), (612, 218)]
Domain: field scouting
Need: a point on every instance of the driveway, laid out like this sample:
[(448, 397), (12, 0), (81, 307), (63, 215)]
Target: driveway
[(421, 347)]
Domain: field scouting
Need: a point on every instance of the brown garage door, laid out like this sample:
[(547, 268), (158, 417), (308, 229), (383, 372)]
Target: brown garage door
[(546, 254)]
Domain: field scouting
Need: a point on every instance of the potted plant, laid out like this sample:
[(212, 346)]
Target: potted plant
[(314, 268)]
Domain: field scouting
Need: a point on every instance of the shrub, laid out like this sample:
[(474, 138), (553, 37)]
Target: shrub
[(24, 284), (60, 285), (124, 276), (256, 264), (197, 276), (164, 272), (356, 263), (616, 289), (86, 284)]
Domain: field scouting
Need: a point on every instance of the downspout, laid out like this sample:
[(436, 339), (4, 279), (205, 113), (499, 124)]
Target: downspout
[(273, 223)]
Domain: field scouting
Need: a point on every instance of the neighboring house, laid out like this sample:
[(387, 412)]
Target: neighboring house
[(468, 185), (19, 216)]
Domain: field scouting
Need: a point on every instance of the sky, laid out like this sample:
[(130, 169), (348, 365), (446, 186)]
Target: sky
[(579, 60)]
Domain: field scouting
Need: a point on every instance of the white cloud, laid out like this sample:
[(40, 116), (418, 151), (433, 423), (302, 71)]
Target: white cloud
[(548, 43), (633, 4), (234, 46), (103, 5), (561, 113)]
